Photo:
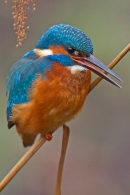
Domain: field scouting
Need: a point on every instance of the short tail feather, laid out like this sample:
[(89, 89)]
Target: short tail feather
[(28, 139), (10, 124)]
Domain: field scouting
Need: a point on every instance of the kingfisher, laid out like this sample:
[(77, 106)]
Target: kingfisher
[(48, 86)]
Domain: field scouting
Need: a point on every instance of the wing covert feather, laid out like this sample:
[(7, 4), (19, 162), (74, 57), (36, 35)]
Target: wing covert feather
[(21, 76)]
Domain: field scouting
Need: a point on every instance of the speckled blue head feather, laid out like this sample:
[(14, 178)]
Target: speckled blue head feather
[(66, 35)]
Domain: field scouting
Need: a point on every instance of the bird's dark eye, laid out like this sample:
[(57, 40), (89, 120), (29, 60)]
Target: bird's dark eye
[(74, 52), (71, 50)]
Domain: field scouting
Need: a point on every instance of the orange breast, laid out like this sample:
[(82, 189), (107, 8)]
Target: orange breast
[(53, 101)]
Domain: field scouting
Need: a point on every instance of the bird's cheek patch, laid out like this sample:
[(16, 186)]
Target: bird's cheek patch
[(76, 69), (58, 50), (43, 52)]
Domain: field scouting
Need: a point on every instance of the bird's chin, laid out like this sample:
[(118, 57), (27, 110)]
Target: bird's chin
[(75, 69)]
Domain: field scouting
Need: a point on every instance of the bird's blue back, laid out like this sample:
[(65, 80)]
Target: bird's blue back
[(21, 76)]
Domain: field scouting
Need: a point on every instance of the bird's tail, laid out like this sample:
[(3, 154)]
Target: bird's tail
[(20, 117), (28, 139)]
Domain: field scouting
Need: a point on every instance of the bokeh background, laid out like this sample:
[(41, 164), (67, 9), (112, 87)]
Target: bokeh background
[(98, 155)]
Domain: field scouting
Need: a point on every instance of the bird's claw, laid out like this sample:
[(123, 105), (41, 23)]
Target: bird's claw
[(48, 137)]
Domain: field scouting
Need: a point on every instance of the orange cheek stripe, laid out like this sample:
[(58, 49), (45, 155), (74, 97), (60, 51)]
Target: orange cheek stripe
[(58, 50)]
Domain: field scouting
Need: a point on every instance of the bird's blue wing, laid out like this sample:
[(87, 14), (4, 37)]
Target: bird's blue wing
[(21, 76)]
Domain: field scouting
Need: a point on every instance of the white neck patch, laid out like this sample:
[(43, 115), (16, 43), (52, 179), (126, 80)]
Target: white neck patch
[(75, 69), (43, 52)]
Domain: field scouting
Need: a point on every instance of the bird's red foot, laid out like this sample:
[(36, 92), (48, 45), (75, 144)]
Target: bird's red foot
[(48, 137)]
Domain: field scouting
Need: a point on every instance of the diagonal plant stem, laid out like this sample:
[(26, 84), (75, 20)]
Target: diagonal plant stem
[(41, 141)]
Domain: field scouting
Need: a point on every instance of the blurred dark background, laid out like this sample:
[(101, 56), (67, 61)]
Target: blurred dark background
[(98, 155)]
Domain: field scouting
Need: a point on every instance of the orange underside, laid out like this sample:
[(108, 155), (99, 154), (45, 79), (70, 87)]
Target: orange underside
[(53, 101)]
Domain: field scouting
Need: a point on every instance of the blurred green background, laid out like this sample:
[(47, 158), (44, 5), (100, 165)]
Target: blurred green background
[(98, 155)]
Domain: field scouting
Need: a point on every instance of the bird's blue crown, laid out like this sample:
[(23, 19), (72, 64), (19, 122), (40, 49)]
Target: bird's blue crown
[(66, 35)]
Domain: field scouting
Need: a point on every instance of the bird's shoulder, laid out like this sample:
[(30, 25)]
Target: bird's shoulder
[(21, 76), (26, 69)]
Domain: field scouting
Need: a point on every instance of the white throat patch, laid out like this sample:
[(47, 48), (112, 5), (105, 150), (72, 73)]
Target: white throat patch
[(43, 52), (76, 69)]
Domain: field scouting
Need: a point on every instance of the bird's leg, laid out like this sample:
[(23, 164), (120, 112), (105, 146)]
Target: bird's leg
[(48, 136)]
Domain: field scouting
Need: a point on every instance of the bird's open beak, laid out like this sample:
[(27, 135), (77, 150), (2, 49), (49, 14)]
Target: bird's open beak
[(92, 63)]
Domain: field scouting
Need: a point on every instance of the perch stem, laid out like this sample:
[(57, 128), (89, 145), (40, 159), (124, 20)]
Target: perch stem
[(65, 139)]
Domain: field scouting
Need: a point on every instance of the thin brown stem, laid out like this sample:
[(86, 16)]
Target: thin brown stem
[(65, 139)]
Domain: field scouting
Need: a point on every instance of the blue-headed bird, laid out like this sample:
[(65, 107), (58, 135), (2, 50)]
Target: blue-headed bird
[(48, 86)]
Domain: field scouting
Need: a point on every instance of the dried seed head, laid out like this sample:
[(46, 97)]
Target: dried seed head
[(19, 14)]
